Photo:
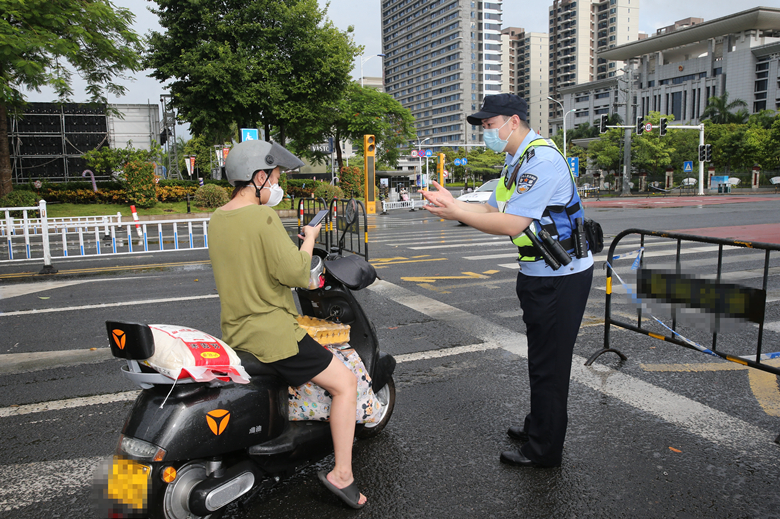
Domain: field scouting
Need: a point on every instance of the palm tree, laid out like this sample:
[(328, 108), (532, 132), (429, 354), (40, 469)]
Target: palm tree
[(718, 110)]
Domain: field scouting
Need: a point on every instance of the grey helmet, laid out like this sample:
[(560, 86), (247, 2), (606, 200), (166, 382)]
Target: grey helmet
[(249, 156)]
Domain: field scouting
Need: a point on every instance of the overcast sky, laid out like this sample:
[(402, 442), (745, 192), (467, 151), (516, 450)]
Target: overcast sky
[(365, 16)]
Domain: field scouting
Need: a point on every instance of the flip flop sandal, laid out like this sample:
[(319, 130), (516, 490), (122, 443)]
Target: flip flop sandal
[(350, 494)]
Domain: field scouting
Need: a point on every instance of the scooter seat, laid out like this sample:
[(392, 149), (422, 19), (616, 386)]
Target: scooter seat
[(253, 366)]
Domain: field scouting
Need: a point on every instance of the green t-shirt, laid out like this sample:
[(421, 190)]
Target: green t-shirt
[(255, 264)]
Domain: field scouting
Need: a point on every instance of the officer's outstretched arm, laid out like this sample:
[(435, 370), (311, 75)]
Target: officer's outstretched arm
[(494, 222)]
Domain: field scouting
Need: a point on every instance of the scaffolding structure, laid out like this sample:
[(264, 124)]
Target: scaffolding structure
[(168, 135)]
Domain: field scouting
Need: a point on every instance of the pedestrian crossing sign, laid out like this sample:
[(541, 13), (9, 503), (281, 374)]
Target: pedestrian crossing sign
[(688, 166)]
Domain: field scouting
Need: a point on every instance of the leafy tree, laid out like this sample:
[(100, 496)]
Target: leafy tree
[(718, 110), (351, 181), (758, 147), (774, 144), (763, 119), (607, 152), (484, 162), (274, 62), (139, 183), (684, 146), (649, 151), (359, 111), (42, 38), (105, 160)]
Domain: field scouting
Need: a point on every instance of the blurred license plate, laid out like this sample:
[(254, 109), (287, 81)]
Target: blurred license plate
[(128, 483)]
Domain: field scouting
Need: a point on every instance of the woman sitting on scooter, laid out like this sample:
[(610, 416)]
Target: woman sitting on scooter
[(255, 264)]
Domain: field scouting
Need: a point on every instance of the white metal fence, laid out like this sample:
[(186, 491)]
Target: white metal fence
[(405, 204), (45, 238)]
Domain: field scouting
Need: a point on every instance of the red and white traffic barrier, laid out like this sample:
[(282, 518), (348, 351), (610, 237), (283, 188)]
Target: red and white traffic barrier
[(135, 219)]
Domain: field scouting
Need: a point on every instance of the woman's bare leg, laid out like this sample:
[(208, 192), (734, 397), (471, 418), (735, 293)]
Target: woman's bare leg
[(341, 383)]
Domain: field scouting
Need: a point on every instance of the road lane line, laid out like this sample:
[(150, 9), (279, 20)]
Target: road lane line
[(446, 352), (12, 363), (695, 418), (21, 289), (57, 405), (501, 243), (109, 305)]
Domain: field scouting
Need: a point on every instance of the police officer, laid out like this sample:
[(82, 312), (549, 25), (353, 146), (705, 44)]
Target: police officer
[(537, 193)]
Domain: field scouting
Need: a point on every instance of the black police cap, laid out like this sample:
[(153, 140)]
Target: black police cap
[(500, 104)]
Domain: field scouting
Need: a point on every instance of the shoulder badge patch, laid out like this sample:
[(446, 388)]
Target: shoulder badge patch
[(529, 154), (525, 182)]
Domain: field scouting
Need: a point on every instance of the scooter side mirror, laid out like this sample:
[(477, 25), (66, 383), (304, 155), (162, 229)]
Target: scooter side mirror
[(350, 212)]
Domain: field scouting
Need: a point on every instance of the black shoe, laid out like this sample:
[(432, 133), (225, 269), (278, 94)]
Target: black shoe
[(516, 458), (517, 433)]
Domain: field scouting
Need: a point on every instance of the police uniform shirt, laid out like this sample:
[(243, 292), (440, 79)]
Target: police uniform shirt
[(543, 180)]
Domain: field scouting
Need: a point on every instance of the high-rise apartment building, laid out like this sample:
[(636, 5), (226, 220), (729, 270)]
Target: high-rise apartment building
[(525, 72), (579, 29), (441, 58)]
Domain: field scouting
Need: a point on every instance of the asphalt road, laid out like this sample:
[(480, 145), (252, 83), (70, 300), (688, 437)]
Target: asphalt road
[(670, 432)]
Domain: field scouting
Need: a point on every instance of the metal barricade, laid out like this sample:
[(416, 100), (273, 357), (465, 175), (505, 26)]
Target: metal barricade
[(351, 238), (308, 209), (404, 204), (708, 300)]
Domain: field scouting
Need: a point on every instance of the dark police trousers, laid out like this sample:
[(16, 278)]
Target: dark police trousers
[(552, 312)]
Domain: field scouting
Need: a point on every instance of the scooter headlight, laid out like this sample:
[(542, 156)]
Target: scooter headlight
[(140, 450)]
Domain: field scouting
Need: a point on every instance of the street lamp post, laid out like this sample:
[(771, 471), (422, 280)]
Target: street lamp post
[(363, 61), (564, 121)]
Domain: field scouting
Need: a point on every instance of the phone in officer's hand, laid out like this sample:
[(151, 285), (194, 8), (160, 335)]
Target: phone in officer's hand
[(314, 222)]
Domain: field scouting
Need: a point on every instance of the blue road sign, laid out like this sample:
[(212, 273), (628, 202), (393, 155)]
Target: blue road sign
[(428, 153), (249, 134), (688, 166), (464, 161), (574, 165), (457, 162)]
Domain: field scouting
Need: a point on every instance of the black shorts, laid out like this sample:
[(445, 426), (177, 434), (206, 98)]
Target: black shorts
[(311, 360)]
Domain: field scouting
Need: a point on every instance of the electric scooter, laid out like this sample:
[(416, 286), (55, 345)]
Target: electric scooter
[(212, 444)]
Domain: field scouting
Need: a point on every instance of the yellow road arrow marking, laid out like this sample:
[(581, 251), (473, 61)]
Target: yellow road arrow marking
[(384, 262), (432, 279)]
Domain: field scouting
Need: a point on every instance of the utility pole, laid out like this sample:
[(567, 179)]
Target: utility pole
[(626, 190)]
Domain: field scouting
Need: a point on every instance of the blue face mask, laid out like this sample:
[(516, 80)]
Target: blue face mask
[(493, 141)]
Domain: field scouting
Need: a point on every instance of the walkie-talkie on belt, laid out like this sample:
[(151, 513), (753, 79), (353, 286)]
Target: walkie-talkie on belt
[(580, 242)]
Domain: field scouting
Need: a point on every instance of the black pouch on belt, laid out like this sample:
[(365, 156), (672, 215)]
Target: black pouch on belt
[(594, 234)]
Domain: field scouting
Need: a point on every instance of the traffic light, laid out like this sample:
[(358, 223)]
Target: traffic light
[(603, 124), (369, 152), (662, 128), (640, 124), (708, 152), (702, 153), (440, 167)]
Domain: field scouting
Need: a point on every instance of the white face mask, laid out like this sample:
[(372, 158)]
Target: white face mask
[(277, 193)]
